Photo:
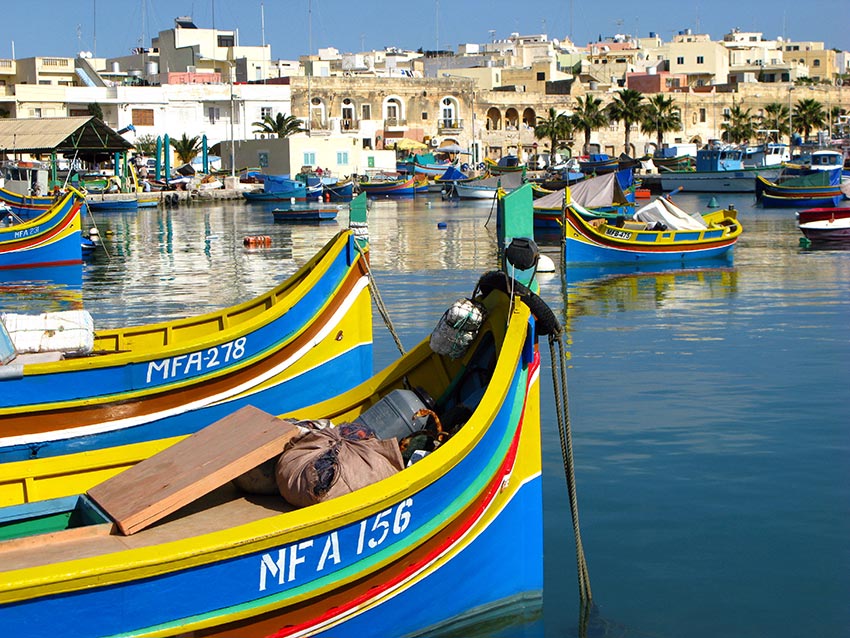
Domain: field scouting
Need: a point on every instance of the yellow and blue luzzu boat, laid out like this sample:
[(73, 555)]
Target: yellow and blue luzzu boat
[(47, 240), (459, 530), (297, 344), (657, 232)]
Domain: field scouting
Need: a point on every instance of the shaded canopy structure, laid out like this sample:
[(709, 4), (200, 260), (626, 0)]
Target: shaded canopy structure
[(86, 137)]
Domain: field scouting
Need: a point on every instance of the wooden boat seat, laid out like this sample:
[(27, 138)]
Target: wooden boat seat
[(191, 468)]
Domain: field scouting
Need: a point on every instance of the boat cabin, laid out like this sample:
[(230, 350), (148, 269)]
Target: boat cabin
[(720, 158)]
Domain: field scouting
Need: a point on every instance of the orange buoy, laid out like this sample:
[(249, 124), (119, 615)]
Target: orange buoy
[(257, 241)]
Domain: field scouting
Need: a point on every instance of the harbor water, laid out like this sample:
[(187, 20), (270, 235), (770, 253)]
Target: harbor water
[(708, 405)]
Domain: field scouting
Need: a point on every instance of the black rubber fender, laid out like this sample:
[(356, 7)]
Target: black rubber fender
[(547, 322)]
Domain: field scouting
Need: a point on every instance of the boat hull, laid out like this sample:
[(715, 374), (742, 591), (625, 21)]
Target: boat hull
[(284, 349), (608, 244), (360, 564), (50, 239), (741, 181)]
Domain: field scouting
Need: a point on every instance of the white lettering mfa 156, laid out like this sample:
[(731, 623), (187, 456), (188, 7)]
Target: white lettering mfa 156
[(304, 560), (195, 362)]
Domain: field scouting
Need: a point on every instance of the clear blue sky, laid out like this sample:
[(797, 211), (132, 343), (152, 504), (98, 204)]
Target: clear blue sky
[(64, 27)]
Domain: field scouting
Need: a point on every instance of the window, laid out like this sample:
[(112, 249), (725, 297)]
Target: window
[(214, 114), (36, 112), (309, 158), (541, 76), (815, 62), (44, 82), (424, 115), (265, 111), (342, 158), (365, 111), (700, 59), (702, 115), (142, 117), (226, 41), (680, 60)]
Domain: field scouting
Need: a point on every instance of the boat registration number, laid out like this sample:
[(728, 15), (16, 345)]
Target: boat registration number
[(26, 232), (617, 234), (305, 560), (195, 362)]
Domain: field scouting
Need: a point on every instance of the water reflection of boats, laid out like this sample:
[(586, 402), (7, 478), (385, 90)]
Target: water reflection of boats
[(599, 291)]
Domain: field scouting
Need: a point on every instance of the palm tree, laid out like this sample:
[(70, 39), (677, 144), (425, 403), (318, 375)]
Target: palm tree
[(775, 118), (145, 144), (660, 117), (281, 125), (186, 148), (808, 115), (588, 116), (738, 125), (627, 107), (557, 127)]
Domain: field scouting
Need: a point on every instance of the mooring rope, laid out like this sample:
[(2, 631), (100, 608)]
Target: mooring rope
[(379, 302), (559, 385)]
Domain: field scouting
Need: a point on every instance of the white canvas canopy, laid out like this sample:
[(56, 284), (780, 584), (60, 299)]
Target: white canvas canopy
[(663, 210), (594, 192)]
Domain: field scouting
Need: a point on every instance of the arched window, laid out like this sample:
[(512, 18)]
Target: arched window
[(529, 118), (511, 119), (393, 111), (347, 114), (317, 113), (449, 111), (494, 119)]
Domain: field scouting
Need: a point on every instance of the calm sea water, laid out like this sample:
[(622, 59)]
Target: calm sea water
[(709, 407)]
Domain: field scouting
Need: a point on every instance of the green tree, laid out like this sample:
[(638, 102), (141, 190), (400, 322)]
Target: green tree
[(186, 148), (738, 125), (627, 107), (146, 145), (557, 127), (281, 125), (660, 117), (95, 109), (775, 118), (808, 114), (587, 117)]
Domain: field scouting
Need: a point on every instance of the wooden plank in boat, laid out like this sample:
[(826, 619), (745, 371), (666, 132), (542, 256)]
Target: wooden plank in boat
[(165, 482)]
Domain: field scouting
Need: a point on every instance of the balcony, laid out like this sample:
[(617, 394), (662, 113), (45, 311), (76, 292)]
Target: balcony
[(395, 124), (447, 126), (349, 125)]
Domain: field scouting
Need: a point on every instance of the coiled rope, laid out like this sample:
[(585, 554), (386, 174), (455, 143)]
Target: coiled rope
[(379, 302), (559, 385)]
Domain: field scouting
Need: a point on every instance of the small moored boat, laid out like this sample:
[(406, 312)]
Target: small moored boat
[(657, 232)]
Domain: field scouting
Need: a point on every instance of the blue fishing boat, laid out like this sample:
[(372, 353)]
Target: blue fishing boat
[(718, 169), (338, 190), (278, 188), (285, 348), (51, 239), (305, 213), (817, 189), (359, 562), (657, 232)]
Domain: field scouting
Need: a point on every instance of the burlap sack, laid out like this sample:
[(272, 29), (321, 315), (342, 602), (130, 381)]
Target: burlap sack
[(323, 464)]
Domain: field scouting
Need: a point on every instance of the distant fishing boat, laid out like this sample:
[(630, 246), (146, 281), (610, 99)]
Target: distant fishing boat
[(657, 232), (718, 169), (305, 213), (392, 187)]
